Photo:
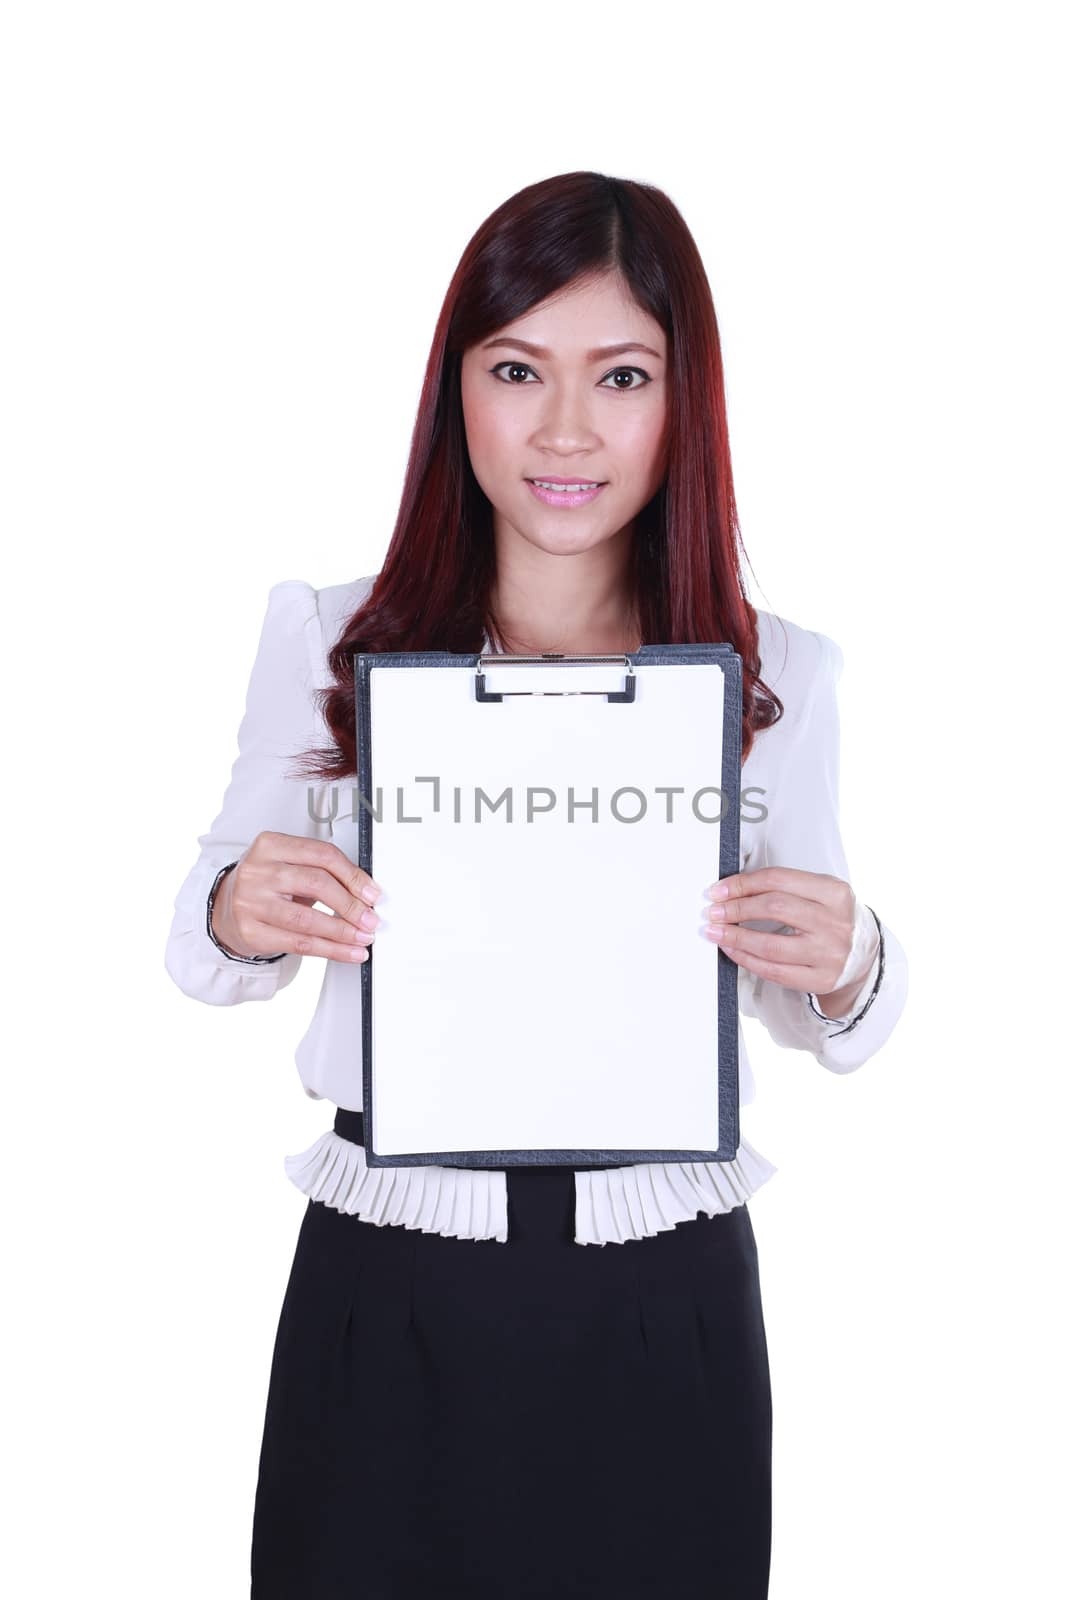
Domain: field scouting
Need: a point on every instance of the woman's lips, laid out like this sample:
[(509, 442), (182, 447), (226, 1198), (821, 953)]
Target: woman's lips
[(565, 497)]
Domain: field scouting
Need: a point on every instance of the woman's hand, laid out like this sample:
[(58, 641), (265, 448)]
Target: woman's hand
[(819, 907), (264, 905)]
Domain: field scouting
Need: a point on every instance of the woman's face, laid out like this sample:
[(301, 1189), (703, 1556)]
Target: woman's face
[(575, 389)]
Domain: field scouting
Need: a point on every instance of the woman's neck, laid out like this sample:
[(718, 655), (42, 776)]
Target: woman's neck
[(574, 607)]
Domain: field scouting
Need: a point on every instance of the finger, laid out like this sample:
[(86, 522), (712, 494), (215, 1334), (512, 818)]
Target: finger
[(772, 905), (295, 918), (311, 883), (294, 849), (790, 977), (299, 916), (786, 951), (293, 888), (819, 887), (295, 942)]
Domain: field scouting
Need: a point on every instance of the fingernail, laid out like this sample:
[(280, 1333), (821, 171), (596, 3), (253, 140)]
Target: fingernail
[(371, 892), (718, 891)]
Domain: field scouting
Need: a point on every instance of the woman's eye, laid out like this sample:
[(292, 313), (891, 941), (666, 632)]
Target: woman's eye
[(509, 367), (617, 372)]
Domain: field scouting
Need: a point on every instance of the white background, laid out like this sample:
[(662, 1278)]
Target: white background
[(228, 229)]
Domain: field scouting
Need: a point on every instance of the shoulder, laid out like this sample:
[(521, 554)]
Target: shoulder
[(802, 667), (293, 604), (302, 623), (794, 658), (338, 601)]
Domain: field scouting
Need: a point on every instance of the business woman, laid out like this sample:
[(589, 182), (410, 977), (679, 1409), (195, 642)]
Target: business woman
[(549, 1381)]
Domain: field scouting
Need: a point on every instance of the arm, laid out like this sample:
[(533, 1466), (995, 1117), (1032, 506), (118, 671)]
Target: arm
[(803, 830), (280, 720)]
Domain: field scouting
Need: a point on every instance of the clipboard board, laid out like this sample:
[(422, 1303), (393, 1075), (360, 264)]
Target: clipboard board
[(545, 995)]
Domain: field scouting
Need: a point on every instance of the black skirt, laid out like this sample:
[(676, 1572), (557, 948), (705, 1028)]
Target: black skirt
[(495, 1421)]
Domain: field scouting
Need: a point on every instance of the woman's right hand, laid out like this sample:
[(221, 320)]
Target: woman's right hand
[(264, 904)]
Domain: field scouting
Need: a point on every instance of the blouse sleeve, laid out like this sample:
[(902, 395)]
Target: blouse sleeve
[(802, 830), (280, 721)]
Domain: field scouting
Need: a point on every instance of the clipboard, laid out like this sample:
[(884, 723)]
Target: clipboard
[(545, 995)]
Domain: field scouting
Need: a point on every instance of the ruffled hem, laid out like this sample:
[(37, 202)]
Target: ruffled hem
[(620, 1203), (611, 1206), (459, 1202)]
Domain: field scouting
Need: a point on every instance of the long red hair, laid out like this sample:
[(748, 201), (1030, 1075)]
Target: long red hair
[(432, 592)]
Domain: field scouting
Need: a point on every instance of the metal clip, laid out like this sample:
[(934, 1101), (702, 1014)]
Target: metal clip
[(624, 696)]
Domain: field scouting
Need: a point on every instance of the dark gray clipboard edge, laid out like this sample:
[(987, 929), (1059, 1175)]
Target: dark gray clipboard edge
[(729, 862)]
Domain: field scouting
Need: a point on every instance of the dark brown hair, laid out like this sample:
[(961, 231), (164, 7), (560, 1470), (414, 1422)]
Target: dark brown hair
[(432, 592)]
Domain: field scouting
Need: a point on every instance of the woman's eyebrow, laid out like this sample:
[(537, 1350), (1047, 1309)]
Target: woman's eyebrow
[(600, 354)]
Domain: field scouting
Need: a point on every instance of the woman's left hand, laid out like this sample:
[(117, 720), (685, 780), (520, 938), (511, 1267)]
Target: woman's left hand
[(821, 909)]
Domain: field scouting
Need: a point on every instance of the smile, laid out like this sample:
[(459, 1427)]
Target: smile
[(564, 494)]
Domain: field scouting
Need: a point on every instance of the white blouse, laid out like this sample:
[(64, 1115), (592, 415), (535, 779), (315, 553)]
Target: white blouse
[(793, 766)]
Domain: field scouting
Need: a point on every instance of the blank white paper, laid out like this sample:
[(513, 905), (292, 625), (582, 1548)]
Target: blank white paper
[(542, 982)]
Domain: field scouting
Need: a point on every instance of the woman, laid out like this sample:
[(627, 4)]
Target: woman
[(462, 1400)]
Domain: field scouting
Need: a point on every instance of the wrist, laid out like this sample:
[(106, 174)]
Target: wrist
[(841, 1001), (846, 998), (859, 966), (219, 917)]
